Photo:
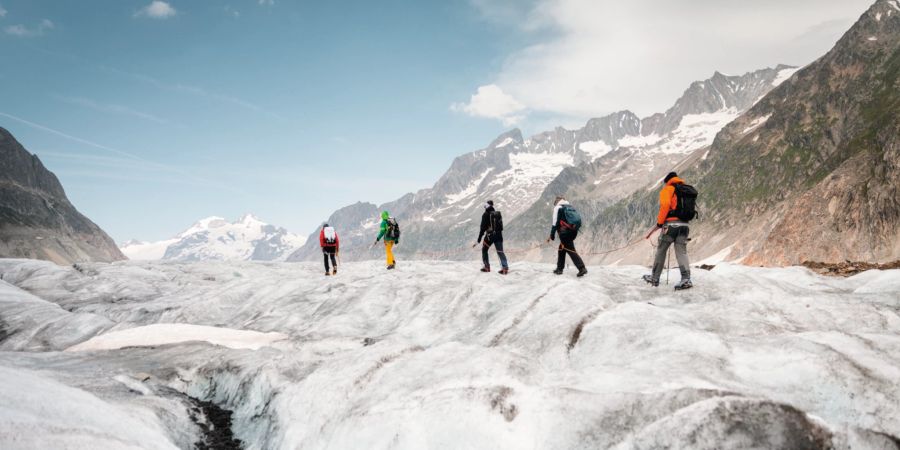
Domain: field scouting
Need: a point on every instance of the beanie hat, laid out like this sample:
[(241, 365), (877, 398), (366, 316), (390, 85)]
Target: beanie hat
[(669, 177)]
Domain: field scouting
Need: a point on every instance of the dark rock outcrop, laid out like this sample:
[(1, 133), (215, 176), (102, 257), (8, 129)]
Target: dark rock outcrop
[(36, 218)]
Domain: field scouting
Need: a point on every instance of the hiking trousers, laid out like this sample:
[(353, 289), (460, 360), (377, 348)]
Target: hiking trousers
[(329, 252), (389, 252), (678, 235), (567, 245), (485, 245)]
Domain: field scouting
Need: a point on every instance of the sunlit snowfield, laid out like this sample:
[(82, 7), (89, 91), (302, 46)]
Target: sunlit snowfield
[(438, 355)]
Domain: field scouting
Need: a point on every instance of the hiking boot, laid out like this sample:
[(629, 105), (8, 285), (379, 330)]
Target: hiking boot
[(334, 271), (485, 269), (327, 273), (582, 272), (684, 284), (503, 271), (558, 271), (649, 280), (390, 267)]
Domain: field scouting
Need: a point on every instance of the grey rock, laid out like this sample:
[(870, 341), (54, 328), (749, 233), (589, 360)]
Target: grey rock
[(36, 218)]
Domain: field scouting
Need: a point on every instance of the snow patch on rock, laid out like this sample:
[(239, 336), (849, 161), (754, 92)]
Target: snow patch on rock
[(468, 191), (595, 149), (755, 123), (784, 75)]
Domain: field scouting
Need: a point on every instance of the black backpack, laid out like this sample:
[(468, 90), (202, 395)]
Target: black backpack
[(686, 202), (496, 224), (393, 229)]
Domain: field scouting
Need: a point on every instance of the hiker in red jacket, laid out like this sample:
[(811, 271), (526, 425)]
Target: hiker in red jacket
[(328, 240)]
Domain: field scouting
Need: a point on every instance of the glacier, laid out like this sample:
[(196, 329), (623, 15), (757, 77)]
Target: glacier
[(439, 355)]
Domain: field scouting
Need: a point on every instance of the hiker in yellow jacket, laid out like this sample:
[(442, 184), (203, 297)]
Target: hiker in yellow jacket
[(390, 231)]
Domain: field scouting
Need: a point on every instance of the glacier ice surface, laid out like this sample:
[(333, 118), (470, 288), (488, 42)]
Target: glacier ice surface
[(439, 355)]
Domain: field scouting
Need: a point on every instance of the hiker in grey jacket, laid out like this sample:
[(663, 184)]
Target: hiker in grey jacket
[(567, 234)]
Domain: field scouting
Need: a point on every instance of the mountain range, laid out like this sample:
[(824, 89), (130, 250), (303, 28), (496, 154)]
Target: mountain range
[(614, 155), (216, 239)]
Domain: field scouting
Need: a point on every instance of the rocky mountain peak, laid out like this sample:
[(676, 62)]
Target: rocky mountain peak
[(249, 219), (510, 137), (36, 218), (19, 166), (609, 129), (719, 93)]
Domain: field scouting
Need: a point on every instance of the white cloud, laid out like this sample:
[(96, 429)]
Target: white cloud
[(491, 102), (590, 57), (232, 12), (24, 31), (267, 2), (157, 9), (2, 12)]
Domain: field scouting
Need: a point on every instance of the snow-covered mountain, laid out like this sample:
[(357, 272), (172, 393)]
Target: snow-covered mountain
[(615, 154), (653, 147), (214, 238), (438, 355)]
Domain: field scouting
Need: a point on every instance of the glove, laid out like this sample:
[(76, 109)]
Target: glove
[(659, 225)]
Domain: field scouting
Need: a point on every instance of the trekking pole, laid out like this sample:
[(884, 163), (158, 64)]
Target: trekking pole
[(668, 262)]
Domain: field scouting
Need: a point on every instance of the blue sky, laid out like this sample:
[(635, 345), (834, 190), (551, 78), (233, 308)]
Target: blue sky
[(155, 114)]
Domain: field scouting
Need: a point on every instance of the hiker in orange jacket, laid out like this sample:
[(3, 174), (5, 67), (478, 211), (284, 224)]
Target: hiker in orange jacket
[(674, 230)]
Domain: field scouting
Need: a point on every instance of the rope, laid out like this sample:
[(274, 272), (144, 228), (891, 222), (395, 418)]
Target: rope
[(459, 250), (606, 252)]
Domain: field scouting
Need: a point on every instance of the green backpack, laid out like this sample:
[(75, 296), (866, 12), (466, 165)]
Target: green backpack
[(569, 219)]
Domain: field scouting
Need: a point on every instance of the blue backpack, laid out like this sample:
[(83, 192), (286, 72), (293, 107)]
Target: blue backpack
[(569, 219)]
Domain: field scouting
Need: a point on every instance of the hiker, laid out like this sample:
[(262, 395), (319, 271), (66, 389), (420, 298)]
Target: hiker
[(566, 221), (492, 231), (390, 231), (676, 209), (328, 240)]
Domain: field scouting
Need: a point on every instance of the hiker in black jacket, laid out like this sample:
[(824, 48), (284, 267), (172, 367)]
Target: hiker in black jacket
[(492, 232)]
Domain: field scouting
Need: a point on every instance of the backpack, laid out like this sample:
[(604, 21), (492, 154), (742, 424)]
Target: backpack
[(496, 225), (569, 219), (686, 203), (393, 229), (330, 236)]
